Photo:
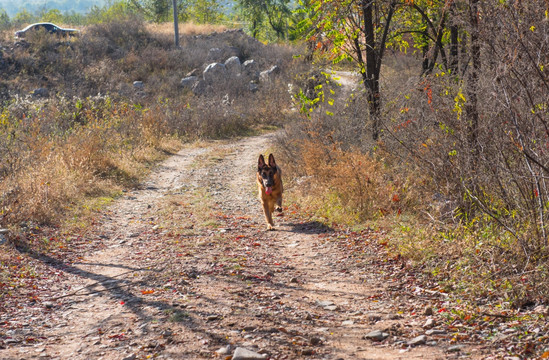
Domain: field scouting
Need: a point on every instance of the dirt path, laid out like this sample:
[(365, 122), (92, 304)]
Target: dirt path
[(187, 269), (183, 268)]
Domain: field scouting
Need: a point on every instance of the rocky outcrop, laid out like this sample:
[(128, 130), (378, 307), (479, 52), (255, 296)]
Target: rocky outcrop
[(268, 76), (214, 72), (188, 82), (233, 66), (245, 75), (220, 54), (250, 69)]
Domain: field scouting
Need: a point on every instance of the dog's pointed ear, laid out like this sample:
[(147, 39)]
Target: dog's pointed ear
[(260, 162), (272, 162)]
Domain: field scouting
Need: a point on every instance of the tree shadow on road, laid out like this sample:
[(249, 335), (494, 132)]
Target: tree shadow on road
[(126, 292), (309, 227)]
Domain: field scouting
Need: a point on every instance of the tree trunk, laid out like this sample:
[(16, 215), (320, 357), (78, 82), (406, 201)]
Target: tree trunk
[(255, 29), (464, 53), (454, 41), (437, 46), (175, 24), (371, 78), (425, 53), (471, 106)]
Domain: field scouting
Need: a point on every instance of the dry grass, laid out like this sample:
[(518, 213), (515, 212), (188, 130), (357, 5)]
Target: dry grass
[(67, 148), (344, 186), (107, 58), (188, 28), (52, 162)]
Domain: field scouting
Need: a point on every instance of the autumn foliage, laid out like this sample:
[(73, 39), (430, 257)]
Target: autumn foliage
[(464, 125)]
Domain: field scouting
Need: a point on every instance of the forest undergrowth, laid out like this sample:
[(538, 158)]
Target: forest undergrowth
[(457, 177)]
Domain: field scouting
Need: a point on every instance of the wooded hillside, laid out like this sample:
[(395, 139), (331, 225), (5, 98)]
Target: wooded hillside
[(13, 7)]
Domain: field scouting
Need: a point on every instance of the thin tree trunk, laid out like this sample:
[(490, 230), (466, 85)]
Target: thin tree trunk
[(372, 81), (425, 53), (437, 45), (255, 29), (454, 41), (175, 23), (464, 53), (471, 106)]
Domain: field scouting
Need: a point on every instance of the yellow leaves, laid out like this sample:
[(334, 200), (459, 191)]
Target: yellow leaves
[(4, 117), (532, 28), (459, 101), (541, 107)]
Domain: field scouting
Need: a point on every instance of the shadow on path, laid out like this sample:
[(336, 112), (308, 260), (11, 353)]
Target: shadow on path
[(309, 227)]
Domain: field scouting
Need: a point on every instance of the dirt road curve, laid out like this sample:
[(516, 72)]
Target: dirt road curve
[(187, 271)]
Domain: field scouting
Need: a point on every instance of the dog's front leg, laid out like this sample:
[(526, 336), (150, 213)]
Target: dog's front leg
[(268, 216)]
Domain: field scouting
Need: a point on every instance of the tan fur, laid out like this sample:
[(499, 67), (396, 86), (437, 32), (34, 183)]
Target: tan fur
[(269, 201)]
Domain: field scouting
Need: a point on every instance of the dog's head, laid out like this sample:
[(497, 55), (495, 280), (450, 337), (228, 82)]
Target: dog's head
[(267, 172)]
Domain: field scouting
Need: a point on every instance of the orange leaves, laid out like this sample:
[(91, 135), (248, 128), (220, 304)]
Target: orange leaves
[(117, 336), (147, 292), (404, 124), (429, 92)]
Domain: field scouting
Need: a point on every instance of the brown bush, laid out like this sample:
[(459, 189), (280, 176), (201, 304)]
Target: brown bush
[(472, 146), (49, 164), (341, 182)]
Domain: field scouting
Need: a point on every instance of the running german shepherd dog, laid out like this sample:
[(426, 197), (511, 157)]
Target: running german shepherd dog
[(269, 181)]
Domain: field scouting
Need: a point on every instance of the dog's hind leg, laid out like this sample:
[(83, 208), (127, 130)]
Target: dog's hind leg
[(279, 204), (279, 200)]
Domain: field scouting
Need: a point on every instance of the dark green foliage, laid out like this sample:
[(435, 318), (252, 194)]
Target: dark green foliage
[(274, 14)]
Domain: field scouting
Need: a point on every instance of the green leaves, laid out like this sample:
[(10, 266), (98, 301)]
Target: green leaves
[(266, 16)]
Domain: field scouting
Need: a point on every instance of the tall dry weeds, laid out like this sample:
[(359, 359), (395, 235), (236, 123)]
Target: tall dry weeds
[(47, 165), (59, 149), (342, 184)]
